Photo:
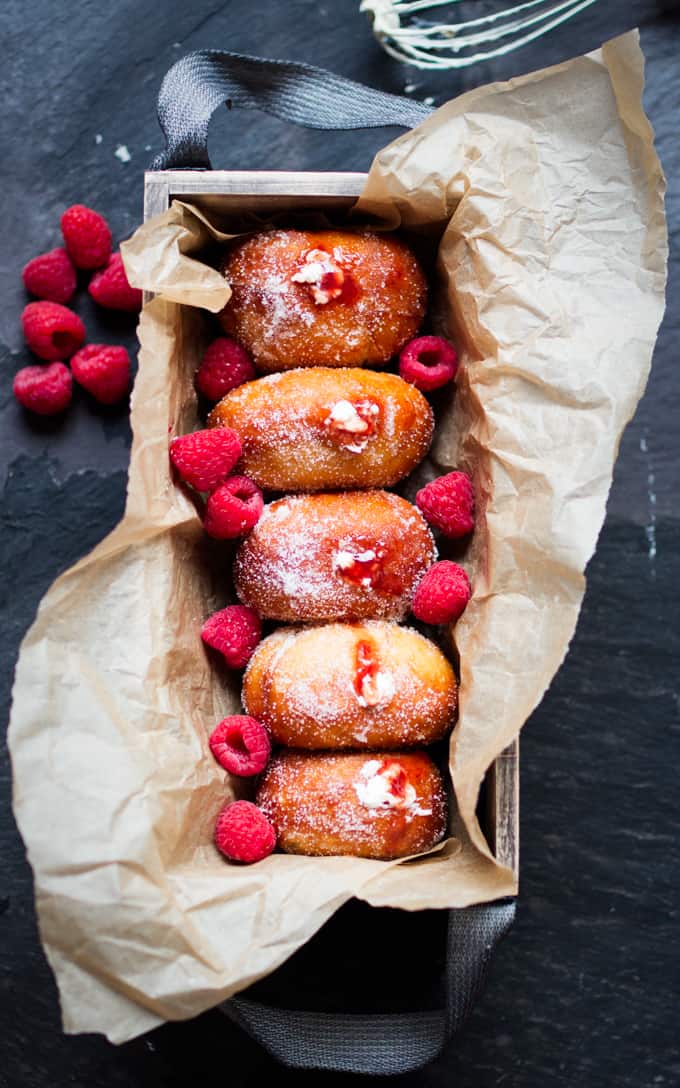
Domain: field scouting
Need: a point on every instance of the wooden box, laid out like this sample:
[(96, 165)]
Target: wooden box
[(267, 192)]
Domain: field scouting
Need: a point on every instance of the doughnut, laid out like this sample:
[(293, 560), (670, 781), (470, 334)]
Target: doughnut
[(322, 298), (348, 555), (318, 429), (363, 685), (372, 805)]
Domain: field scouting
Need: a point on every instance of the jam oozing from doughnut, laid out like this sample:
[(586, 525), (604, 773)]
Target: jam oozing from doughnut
[(383, 784), (363, 566), (350, 290), (321, 272), (367, 564), (372, 686), (352, 423)]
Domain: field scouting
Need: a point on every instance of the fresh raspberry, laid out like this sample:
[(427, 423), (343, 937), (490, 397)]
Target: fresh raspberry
[(104, 370), (50, 276), (233, 508), (110, 287), (448, 503), (234, 632), (225, 365), (87, 236), (241, 745), (428, 362), (204, 459), (243, 832), (51, 331), (44, 390), (442, 594)]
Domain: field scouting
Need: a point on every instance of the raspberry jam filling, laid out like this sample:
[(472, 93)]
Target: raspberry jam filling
[(367, 564), (327, 281), (352, 423), (363, 567), (372, 687)]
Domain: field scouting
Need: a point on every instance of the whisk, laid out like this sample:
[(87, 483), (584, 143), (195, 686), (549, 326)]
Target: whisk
[(459, 44)]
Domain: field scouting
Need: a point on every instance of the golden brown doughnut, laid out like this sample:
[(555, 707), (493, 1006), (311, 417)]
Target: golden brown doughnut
[(322, 298), (345, 556), (373, 805), (311, 430), (362, 685)]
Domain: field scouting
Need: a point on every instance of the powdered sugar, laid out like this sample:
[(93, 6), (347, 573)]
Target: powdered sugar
[(312, 801), (287, 567), (276, 293), (302, 298), (311, 694), (302, 430)]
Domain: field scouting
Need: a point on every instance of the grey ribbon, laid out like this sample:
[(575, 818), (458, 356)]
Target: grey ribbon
[(201, 82), (382, 1045)]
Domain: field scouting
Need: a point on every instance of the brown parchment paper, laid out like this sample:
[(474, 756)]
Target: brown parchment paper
[(552, 257)]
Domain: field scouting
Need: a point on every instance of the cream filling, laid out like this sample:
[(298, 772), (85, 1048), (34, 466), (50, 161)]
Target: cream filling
[(344, 418), (317, 265), (374, 789)]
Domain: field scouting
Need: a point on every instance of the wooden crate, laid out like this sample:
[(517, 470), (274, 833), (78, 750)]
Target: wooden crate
[(266, 192)]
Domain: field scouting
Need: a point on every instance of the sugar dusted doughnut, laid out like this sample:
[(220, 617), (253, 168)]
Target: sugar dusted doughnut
[(363, 685), (322, 298), (377, 805), (317, 429), (346, 556)]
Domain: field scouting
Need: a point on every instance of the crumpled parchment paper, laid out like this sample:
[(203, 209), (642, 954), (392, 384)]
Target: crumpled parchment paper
[(546, 195)]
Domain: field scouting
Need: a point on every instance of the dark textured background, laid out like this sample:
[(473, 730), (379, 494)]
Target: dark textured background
[(582, 992)]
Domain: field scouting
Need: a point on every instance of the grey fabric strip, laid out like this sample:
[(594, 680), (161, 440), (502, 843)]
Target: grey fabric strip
[(202, 81), (349, 1043), (384, 1045)]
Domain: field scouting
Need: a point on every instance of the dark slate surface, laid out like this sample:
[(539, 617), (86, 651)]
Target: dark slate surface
[(582, 990)]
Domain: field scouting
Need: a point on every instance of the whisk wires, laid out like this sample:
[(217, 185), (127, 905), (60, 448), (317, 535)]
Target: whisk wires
[(448, 45)]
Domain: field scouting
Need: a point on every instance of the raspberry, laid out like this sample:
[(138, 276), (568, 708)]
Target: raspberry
[(44, 390), (448, 503), (225, 365), (428, 362), (234, 632), (110, 288), (104, 370), (51, 331), (233, 508), (243, 832), (204, 459), (241, 745), (442, 594), (87, 236), (50, 276)]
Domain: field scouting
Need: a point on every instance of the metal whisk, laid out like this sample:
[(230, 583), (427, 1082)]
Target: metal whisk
[(457, 45)]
